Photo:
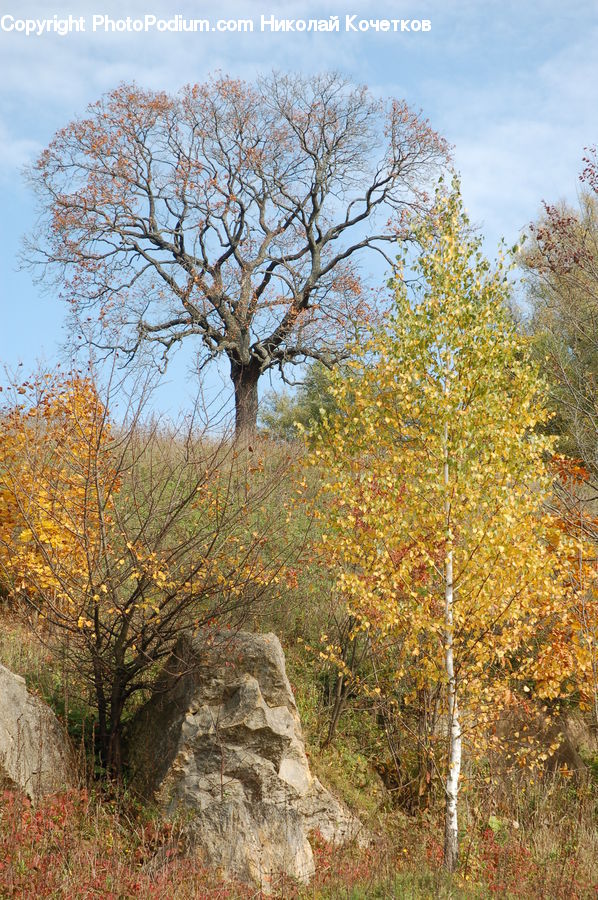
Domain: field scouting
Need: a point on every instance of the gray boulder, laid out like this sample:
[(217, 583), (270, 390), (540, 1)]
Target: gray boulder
[(34, 751), (220, 742)]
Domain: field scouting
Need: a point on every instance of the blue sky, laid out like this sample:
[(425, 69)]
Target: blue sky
[(513, 86)]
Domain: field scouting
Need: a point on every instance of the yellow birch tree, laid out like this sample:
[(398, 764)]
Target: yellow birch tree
[(434, 477)]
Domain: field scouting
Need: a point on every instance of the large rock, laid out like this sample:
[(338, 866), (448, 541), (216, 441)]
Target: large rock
[(34, 751), (220, 740)]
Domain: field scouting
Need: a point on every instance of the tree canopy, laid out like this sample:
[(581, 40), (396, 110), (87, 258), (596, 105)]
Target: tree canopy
[(435, 480), (230, 212)]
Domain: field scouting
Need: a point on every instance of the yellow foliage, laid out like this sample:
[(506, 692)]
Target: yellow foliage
[(55, 484), (435, 450)]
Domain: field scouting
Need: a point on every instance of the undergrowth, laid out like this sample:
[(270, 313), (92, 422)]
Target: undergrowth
[(528, 837)]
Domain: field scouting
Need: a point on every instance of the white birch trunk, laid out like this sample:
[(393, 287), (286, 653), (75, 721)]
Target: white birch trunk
[(451, 822)]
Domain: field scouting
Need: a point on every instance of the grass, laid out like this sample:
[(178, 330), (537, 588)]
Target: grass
[(85, 844)]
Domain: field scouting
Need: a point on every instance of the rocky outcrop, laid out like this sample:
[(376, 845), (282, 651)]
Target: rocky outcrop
[(34, 751), (220, 741)]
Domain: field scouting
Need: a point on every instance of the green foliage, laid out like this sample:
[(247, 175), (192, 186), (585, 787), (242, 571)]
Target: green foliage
[(284, 416)]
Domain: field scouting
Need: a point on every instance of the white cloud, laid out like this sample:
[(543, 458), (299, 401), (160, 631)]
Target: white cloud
[(520, 137)]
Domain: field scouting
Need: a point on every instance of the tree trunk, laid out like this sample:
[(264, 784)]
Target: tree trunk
[(245, 380), (102, 708), (451, 829), (341, 692), (109, 723), (114, 759), (451, 822)]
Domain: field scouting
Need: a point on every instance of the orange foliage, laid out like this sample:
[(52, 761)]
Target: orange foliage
[(572, 646), (54, 482)]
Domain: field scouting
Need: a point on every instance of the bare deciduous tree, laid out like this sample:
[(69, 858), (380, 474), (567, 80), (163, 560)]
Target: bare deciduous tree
[(230, 212)]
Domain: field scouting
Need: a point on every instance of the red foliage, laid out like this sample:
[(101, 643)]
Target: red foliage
[(73, 846)]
